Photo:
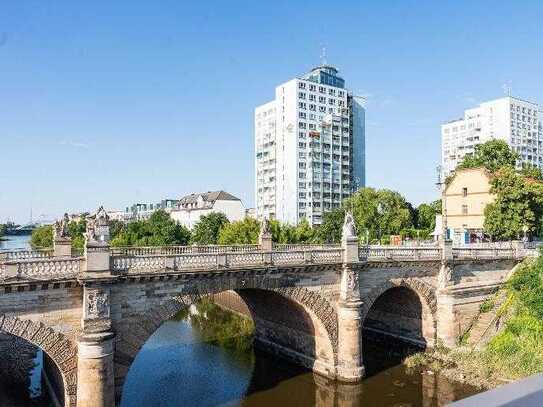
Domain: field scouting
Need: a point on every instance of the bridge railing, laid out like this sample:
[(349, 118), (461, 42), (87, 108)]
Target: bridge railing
[(175, 250), (472, 253), (41, 269), (25, 254), (206, 261), (298, 246), (376, 253)]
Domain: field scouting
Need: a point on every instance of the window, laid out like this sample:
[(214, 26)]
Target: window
[(464, 192), (464, 209)]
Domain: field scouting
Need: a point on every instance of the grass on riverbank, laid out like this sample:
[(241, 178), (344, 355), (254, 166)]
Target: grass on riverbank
[(515, 352)]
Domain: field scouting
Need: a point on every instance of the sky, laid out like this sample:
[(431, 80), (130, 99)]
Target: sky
[(111, 103)]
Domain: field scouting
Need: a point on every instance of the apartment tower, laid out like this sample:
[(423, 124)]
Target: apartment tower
[(309, 146), (511, 119)]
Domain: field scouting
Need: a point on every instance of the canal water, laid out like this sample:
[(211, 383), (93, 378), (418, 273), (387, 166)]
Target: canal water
[(14, 242), (206, 358)]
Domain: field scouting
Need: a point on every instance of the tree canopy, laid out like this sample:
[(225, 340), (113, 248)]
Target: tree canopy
[(240, 232), (518, 205), (159, 230), (493, 155), (207, 229), (42, 237), (426, 215), (378, 213)]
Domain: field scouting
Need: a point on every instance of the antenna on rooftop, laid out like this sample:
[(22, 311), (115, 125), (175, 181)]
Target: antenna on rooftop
[(323, 56), (507, 88)]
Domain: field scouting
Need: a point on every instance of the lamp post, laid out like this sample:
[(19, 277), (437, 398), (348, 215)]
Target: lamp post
[(379, 212), (441, 184)]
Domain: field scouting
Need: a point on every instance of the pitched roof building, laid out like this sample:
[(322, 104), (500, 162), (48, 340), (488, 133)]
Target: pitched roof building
[(191, 208)]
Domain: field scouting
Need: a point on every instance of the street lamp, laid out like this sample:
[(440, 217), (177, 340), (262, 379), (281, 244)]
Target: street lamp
[(380, 211), (441, 184)]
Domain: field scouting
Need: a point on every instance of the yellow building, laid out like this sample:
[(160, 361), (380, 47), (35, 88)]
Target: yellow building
[(466, 197)]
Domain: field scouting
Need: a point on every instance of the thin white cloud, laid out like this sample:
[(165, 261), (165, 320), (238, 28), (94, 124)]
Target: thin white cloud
[(74, 144)]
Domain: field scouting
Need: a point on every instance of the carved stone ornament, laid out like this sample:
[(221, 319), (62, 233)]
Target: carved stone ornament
[(352, 280), (97, 304), (61, 227), (349, 228), (444, 277), (265, 227), (97, 227)]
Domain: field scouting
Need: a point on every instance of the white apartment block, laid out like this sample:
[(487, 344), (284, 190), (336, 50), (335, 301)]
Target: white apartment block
[(310, 148), (511, 119)]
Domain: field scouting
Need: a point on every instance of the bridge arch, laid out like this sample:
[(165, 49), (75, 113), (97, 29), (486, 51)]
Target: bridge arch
[(415, 296), (61, 349), (133, 335)]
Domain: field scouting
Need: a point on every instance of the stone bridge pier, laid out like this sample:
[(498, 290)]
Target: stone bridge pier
[(311, 304)]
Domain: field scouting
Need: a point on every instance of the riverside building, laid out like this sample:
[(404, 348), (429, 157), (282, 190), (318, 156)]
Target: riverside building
[(310, 147), (509, 118)]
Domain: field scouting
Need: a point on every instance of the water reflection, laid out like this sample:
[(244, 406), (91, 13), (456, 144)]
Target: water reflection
[(207, 359)]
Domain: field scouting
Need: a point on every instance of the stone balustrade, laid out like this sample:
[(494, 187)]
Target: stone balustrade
[(40, 265), (25, 254), (41, 269), (209, 261), (174, 250), (474, 253), (377, 253)]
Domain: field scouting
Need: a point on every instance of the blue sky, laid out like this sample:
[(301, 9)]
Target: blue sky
[(116, 102)]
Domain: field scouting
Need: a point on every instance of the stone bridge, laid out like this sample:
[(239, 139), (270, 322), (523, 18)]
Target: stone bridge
[(311, 304)]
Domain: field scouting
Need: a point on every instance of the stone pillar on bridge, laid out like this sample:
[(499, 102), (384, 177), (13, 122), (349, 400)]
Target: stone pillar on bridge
[(97, 253), (265, 236), (447, 332), (350, 367), (95, 369), (62, 243)]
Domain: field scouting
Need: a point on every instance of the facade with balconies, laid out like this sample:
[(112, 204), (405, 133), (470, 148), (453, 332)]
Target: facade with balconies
[(511, 119), (309, 147)]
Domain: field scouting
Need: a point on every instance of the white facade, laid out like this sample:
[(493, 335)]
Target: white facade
[(192, 207), (310, 148), (511, 119)]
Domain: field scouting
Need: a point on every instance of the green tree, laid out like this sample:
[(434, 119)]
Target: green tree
[(76, 230), (330, 229), (532, 171), (304, 233), (42, 237), (426, 215), (159, 230), (492, 155), (518, 205), (207, 229), (115, 228), (379, 212), (240, 232)]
